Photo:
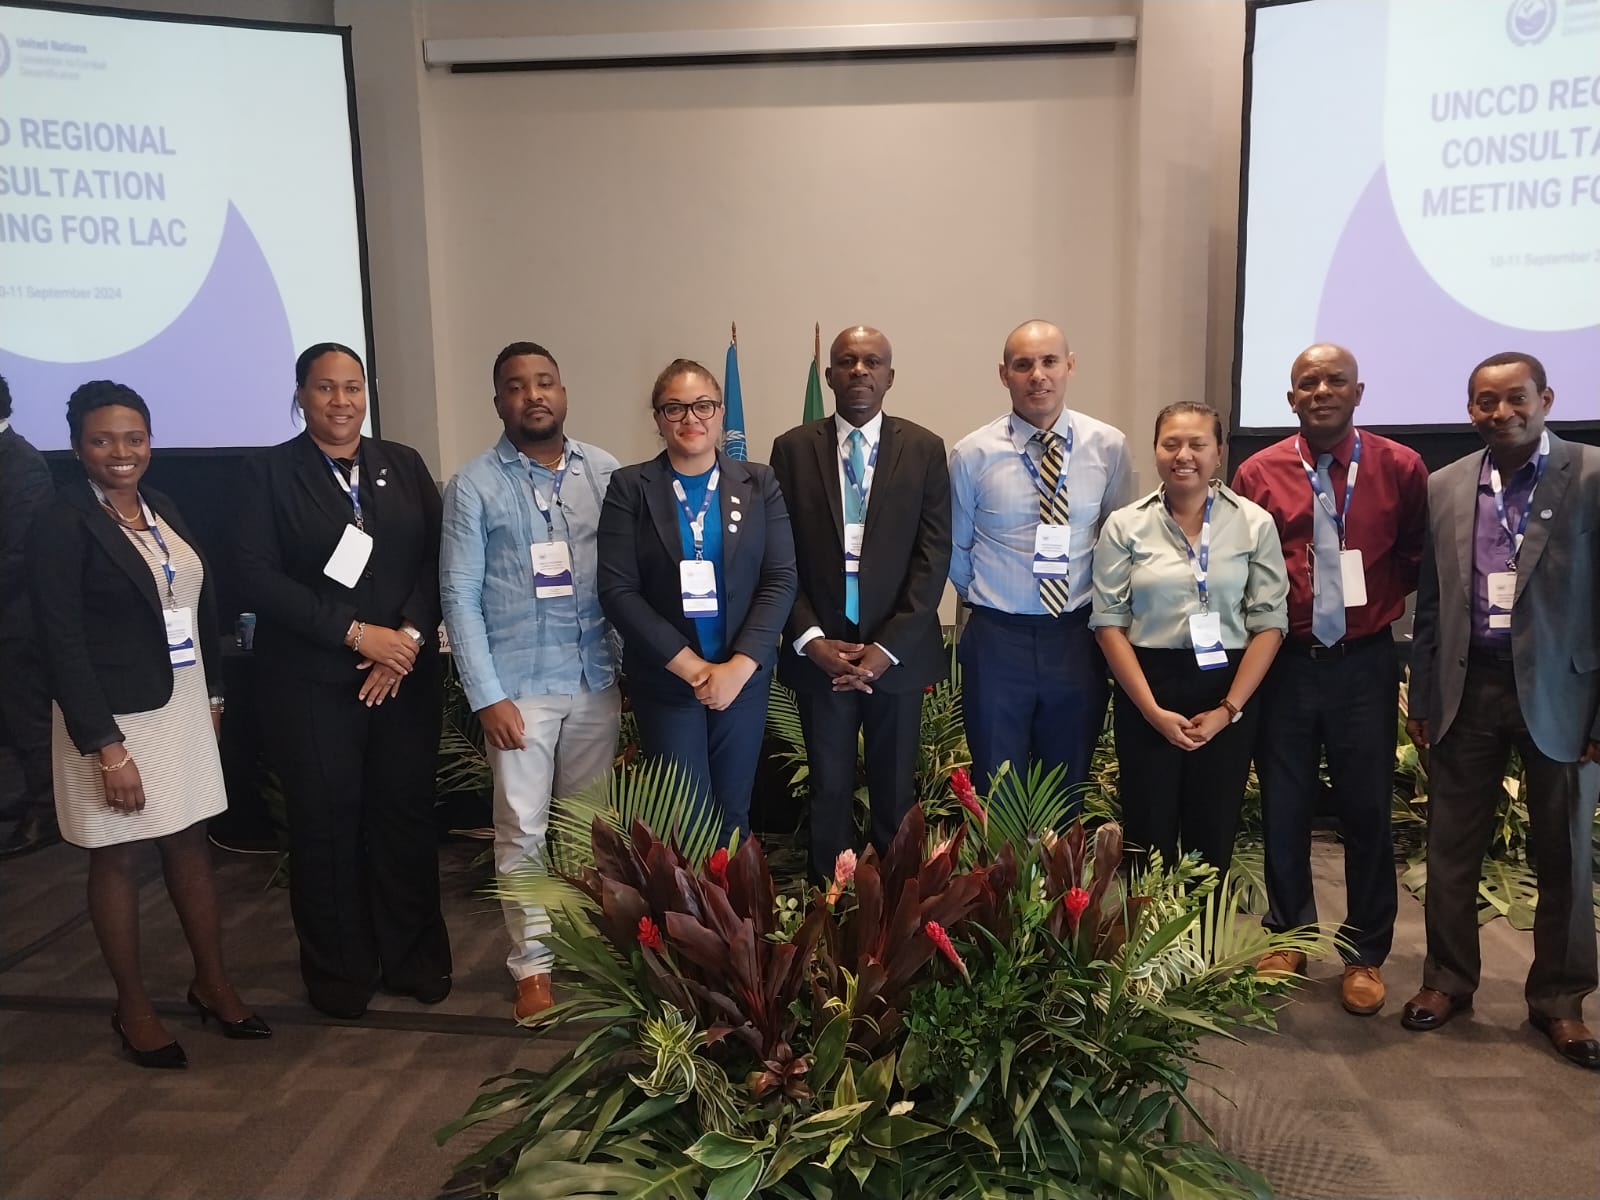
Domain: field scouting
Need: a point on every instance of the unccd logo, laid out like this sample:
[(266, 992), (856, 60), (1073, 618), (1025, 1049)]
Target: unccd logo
[(1529, 22), (5, 54)]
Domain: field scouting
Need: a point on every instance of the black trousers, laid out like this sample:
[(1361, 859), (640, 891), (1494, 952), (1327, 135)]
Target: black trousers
[(363, 851), (1346, 706), (890, 725), (1464, 773), (25, 724), (1176, 799)]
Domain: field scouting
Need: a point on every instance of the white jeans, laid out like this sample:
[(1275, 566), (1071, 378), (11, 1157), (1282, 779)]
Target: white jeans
[(569, 742)]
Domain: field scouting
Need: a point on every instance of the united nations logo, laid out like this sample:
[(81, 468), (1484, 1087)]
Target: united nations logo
[(5, 54), (1529, 22)]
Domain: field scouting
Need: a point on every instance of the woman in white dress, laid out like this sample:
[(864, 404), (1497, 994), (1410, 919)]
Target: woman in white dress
[(128, 621)]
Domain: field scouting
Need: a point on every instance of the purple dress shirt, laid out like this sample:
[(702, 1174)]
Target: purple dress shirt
[(1491, 546)]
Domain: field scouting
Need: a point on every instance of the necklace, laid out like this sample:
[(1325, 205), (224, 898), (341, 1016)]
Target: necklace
[(552, 464), (130, 522)]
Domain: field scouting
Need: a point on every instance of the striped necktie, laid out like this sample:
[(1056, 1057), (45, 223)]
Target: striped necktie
[(1053, 592)]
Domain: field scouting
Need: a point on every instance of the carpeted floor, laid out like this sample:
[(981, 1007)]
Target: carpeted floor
[(1334, 1106)]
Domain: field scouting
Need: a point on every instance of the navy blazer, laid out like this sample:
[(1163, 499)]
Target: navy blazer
[(640, 550), (99, 615)]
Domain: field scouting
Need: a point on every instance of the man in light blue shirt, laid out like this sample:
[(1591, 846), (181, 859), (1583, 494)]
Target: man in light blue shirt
[(517, 573), (1029, 492)]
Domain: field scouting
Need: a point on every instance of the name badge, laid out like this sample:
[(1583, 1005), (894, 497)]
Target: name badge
[(1205, 634), (1354, 578), (349, 557), (1051, 544), (1502, 595), (697, 580), (552, 570), (853, 535), (180, 636)]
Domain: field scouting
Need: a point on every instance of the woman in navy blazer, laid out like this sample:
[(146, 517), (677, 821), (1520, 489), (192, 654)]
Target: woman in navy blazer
[(698, 679)]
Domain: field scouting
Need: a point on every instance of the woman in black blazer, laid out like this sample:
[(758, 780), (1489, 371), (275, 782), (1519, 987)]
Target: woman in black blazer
[(338, 555), (698, 671), (128, 621)]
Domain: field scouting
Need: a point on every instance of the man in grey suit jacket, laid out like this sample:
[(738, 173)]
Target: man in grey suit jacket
[(1507, 655)]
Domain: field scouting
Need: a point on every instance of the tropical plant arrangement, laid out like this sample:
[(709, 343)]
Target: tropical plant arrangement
[(988, 1009)]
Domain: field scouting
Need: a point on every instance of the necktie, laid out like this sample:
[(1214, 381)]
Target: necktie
[(854, 514), (1327, 601), (1053, 592)]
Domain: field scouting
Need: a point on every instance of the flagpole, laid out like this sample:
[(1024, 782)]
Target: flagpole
[(733, 334), (816, 343)]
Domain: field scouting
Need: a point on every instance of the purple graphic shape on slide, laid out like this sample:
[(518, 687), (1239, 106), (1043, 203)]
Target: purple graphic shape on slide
[(220, 375), (1416, 343)]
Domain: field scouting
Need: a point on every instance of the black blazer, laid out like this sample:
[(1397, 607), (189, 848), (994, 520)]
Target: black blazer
[(905, 551), (25, 487), (99, 615), (292, 514), (639, 554)]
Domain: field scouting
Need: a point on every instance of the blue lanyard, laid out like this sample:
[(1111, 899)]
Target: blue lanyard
[(555, 497), (862, 486), (161, 544), (697, 522), (1521, 530), (1061, 479), (1202, 564), (1349, 485), (351, 485)]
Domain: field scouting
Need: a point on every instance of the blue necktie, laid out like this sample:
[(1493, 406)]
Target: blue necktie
[(1327, 601), (854, 514)]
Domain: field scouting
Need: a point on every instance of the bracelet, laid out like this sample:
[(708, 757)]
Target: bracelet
[(361, 629), (217, 704), (126, 759)]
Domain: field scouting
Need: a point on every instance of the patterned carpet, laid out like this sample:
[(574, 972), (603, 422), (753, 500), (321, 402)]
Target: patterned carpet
[(1335, 1106)]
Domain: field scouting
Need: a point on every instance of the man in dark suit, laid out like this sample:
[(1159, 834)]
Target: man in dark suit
[(25, 485), (1507, 656), (869, 496)]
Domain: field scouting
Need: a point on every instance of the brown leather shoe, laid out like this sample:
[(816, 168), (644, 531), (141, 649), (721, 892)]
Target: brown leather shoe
[(1281, 962), (1572, 1039), (533, 996), (1362, 990), (1431, 1008)]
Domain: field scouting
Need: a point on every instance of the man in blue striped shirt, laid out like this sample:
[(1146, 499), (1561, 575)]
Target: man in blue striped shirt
[(1029, 492), (517, 573)]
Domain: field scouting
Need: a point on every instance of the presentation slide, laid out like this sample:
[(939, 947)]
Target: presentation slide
[(177, 213), (1422, 186)]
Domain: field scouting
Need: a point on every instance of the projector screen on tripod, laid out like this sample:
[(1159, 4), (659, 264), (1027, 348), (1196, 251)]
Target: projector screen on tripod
[(178, 212), (1422, 185)]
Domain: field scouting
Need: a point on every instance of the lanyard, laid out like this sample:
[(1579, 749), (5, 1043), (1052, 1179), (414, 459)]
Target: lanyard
[(1516, 535), (697, 522), (555, 498), (861, 486), (155, 532), (351, 485), (1201, 564), (1326, 500), (1061, 479)]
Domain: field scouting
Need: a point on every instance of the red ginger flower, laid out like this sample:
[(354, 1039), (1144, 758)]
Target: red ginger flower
[(844, 867), (961, 784), (1075, 901), (928, 691), (717, 866), (649, 934), (941, 939)]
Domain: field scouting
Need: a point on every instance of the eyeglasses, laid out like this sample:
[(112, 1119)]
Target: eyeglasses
[(703, 410)]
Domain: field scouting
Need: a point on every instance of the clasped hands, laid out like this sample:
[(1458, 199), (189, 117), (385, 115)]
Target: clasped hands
[(1189, 733), (851, 665), (716, 685), (387, 655)]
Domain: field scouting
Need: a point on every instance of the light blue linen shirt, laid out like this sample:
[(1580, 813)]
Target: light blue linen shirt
[(995, 508), (506, 643)]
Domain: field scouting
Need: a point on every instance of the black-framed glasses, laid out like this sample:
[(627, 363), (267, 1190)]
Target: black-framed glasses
[(675, 411)]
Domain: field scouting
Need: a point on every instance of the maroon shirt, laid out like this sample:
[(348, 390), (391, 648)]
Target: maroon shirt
[(1387, 522)]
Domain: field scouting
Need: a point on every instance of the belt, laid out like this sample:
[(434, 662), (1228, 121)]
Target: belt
[(1317, 651), (1489, 656), (1077, 616)]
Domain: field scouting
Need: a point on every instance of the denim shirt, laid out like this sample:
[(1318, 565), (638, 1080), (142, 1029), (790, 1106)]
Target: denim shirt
[(506, 643)]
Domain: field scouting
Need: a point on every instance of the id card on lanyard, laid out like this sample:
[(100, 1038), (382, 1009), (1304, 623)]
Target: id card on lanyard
[(1205, 626), (552, 559), (855, 531), (179, 622), (697, 578), (1502, 585), (1352, 570), (349, 557), (1052, 541)]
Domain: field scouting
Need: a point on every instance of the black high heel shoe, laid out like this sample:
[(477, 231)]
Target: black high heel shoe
[(168, 1057), (251, 1028)]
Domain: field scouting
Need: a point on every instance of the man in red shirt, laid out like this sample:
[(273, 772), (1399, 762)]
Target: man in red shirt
[(1351, 511)]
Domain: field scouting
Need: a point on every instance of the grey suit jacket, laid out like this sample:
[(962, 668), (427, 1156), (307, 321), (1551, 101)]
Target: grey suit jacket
[(1555, 630)]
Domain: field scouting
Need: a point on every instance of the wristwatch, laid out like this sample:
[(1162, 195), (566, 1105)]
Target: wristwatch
[(414, 634), (1234, 712)]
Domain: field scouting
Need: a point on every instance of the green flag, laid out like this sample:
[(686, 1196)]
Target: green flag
[(814, 410)]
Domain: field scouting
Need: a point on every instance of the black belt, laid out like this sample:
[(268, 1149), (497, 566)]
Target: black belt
[(1316, 650), (1489, 656)]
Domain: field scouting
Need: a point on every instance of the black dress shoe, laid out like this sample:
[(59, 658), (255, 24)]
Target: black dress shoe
[(431, 991), (33, 832), (169, 1057), (339, 1006), (1572, 1039), (1431, 1008), (251, 1028)]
